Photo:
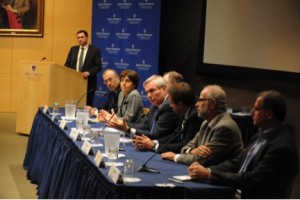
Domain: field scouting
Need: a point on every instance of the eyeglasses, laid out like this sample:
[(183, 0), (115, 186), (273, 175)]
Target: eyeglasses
[(109, 80), (204, 99)]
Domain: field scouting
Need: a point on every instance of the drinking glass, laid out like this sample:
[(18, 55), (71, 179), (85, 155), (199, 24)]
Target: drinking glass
[(113, 154), (129, 168), (79, 125), (86, 132), (95, 136), (70, 108)]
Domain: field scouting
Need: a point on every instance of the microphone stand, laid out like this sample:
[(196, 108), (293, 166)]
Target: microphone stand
[(91, 90), (144, 167)]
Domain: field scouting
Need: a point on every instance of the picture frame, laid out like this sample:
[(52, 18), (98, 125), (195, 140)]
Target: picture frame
[(22, 18)]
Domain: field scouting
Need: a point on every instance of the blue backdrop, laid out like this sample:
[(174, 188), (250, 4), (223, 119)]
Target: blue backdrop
[(127, 32)]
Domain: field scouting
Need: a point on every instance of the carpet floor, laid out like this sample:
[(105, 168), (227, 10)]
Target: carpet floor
[(13, 181)]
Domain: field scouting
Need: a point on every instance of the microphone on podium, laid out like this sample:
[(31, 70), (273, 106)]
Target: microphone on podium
[(86, 93), (144, 167), (44, 58)]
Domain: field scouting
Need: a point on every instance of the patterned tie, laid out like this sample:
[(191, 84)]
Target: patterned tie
[(183, 125), (81, 59), (252, 151)]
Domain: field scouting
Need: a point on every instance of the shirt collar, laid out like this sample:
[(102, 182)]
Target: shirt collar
[(85, 46), (161, 105)]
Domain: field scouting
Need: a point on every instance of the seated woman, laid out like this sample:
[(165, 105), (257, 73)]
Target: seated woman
[(130, 105)]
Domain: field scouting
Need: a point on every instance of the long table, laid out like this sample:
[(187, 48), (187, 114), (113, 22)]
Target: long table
[(62, 170)]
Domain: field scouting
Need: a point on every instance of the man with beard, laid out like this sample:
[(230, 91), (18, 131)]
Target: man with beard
[(219, 137)]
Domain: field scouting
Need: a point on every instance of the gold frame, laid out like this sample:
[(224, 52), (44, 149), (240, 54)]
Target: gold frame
[(36, 28)]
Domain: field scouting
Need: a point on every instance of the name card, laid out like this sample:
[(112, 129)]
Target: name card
[(46, 109), (87, 148), (74, 134), (99, 160), (63, 124), (115, 174), (54, 118)]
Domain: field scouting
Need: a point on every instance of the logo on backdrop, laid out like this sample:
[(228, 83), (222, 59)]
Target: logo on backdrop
[(144, 35), (124, 5), (133, 50), (112, 49), (103, 5), (143, 66), (122, 65), (123, 35), (114, 19), (103, 34)]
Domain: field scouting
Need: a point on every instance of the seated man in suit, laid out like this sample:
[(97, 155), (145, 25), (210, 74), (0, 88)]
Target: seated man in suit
[(112, 80), (219, 137), (182, 100), (161, 119), (130, 104), (269, 163)]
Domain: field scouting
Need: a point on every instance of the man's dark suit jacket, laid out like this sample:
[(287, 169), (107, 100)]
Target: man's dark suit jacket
[(191, 127), (112, 101), (166, 122), (270, 171), (92, 64)]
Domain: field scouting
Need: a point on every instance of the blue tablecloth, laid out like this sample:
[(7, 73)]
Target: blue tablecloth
[(61, 170)]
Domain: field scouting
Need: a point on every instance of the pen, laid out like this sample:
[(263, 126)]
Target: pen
[(175, 180)]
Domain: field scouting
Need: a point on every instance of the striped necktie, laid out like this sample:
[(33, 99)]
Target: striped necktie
[(81, 59)]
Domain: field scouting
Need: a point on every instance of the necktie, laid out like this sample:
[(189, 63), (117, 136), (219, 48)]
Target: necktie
[(182, 128), (252, 151), (81, 59), (154, 120), (205, 136)]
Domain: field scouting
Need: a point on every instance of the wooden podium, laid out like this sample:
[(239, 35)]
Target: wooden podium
[(44, 83)]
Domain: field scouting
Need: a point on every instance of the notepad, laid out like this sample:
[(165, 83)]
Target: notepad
[(182, 177)]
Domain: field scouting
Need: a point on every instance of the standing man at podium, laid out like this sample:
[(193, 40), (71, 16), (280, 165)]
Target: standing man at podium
[(85, 58)]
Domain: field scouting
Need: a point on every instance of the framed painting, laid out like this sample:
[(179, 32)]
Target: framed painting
[(21, 18)]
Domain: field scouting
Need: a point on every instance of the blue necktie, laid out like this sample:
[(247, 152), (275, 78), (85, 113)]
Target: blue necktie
[(252, 151), (154, 120)]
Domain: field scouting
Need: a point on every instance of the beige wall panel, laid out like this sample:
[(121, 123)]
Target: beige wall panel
[(6, 54), (29, 49), (68, 19), (14, 91), (5, 94)]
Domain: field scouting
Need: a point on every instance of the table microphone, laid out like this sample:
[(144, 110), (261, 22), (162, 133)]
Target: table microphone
[(144, 167), (125, 103), (91, 90), (44, 58)]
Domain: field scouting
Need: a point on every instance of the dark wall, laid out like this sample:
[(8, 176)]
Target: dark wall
[(179, 42)]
